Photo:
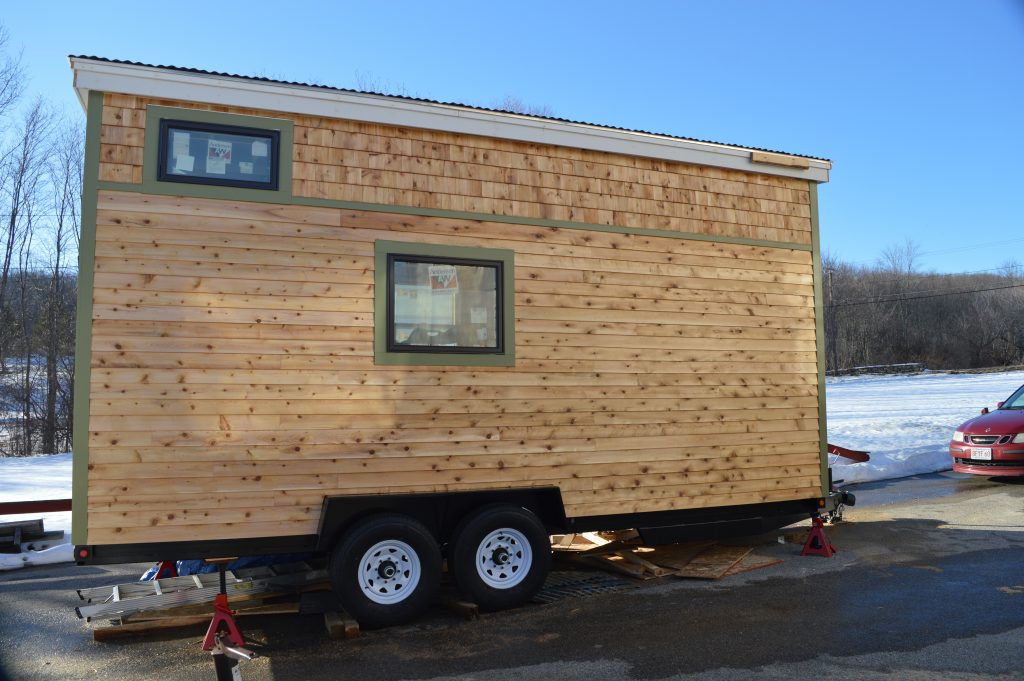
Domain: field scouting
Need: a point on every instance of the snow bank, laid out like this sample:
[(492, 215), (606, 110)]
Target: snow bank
[(33, 478), (906, 422)]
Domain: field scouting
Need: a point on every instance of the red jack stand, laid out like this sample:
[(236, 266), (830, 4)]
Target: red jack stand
[(165, 569), (817, 543), (223, 639), (222, 617)]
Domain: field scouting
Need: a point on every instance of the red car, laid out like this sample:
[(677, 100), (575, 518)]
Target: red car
[(993, 443)]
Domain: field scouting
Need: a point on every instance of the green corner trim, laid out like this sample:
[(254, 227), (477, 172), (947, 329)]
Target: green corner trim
[(380, 292), (819, 334), (151, 185), (83, 323)]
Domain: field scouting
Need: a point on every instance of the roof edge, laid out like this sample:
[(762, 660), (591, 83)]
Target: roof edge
[(93, 73)]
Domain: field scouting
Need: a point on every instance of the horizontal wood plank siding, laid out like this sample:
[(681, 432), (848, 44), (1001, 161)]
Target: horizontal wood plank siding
[(372, 163), (233, 383)]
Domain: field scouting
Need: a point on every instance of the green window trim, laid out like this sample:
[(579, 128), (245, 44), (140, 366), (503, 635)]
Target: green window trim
[(151, 162), (381, 355)]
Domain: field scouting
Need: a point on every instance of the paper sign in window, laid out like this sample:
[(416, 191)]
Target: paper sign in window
[(218, 157)]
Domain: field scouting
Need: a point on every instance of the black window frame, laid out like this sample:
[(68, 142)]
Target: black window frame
[(168, 124), (499, 301)]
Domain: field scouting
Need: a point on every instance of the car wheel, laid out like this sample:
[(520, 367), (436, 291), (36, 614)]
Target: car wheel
[(500, 556), (386, 570)]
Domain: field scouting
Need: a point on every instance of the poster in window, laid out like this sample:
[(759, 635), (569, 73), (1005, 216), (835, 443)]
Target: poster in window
[(218, 156), (443, 278)]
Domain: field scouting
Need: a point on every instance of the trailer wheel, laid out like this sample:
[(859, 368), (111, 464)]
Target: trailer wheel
[(500, 556), (386, 570)]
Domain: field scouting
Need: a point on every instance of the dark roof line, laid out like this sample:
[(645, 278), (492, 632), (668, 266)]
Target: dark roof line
[(261, 79)]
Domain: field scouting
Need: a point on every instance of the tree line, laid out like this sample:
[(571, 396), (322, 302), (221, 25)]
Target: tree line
[(41, 154), (891, 313)]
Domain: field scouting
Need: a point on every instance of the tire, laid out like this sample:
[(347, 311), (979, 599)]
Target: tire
[(500, 556), (386, 570)]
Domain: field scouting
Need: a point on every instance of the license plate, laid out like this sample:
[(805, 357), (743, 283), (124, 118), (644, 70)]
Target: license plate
[(981, 453)]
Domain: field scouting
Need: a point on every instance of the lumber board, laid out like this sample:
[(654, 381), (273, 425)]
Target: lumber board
[(605, 437), (413, 225), (461, 376), (566, 464), (340, 625), (216, 208), (575, 489), (184, 390), (224, 254), (626, 303), (714, 562), (679, 318), (692, 280), (395, 456), (403, 405), (219, 285), (674, 503), (177, 313), (363, 473), (351, 362), (290, 272), (208, 301)]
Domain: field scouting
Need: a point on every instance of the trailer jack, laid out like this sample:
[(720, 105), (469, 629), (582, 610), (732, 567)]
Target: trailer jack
[(223, 638), (817, 543)]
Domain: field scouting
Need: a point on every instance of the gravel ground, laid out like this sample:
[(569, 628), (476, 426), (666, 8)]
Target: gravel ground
[(927, 584)]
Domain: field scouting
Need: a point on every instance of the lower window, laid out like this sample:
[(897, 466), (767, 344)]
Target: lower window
[(443, 304)]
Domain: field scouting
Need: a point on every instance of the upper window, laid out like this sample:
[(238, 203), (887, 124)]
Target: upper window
[(226, 155), (443, 305)]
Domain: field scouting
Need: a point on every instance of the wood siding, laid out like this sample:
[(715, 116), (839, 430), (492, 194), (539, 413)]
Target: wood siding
[(371, 163), (233, 382)]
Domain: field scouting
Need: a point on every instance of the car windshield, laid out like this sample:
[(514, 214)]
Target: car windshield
[(1016, 400)]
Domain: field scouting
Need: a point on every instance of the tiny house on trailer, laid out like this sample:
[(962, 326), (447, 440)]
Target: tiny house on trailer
[(391, 330)]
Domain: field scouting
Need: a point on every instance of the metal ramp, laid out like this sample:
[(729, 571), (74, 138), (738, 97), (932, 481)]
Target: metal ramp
[(124, 600)]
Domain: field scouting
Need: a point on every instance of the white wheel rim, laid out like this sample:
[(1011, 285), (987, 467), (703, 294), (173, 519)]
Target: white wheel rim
[(389, 572), (504, 558)]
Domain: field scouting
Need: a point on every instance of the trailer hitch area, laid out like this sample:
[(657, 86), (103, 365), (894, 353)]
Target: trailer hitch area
[(833, 504)]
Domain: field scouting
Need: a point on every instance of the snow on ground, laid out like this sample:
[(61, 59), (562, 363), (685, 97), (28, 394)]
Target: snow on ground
[(904, 421), (35, 478)]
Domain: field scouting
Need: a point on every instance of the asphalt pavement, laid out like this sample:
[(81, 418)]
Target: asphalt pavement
[(928, 583)]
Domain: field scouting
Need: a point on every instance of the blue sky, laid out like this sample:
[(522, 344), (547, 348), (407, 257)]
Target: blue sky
[(920, 105)]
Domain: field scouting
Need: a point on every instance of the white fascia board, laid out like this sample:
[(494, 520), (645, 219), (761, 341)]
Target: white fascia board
[(149, 81)]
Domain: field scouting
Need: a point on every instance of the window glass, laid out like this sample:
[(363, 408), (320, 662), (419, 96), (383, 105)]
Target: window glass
[(444, 305), (203, 153)]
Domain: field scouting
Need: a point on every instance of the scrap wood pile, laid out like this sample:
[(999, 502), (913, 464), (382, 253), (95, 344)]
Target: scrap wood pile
[(623, 552), (16, 533)]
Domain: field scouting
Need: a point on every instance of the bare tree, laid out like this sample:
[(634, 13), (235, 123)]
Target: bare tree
[(21, 179), (516, 105), (26, 316), (12, 78), (901, 259), (65, 181), (368, 82)]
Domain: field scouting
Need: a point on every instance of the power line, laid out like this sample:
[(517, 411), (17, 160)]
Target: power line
[(934, 295)]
